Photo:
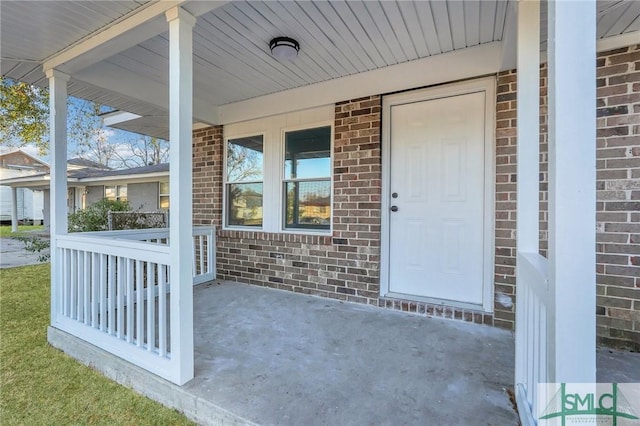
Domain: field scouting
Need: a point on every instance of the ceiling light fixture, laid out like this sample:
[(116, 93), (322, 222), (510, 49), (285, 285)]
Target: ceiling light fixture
[(284, 48)]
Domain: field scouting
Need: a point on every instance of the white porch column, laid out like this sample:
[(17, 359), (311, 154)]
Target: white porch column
[(572, 187), (58, 186), (14, 209), (180, 222), (528, 163)]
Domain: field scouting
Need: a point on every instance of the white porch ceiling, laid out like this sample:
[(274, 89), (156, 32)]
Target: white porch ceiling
[(232, 62)]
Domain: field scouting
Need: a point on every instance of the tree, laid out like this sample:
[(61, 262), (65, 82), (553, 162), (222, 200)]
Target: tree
[(24, 115), (24, 120), (143, 151), (91, 140)]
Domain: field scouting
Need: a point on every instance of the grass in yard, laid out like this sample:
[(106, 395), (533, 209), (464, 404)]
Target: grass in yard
[(42, 386), (5, 230)]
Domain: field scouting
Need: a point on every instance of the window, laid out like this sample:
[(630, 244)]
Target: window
[(307, 178), (244, 179), (116, 192), (277, 173), (163, 191)]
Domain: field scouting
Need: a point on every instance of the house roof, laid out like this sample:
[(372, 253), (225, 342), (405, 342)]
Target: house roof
[(118, 54), (88, 176), (85, 174), (19, 152), (85, 163)]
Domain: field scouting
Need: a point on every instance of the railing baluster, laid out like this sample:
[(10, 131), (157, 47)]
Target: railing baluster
[(79, 275), (162, 311), (95, 288), (120, 286), (212, 253), (130, 301), (104, 265), (201, 247), (111, 292), (139, 304), (73, 283), (86, 288), (535, 303), (151, 326), (532, 339), (193, 260), (65, 282)]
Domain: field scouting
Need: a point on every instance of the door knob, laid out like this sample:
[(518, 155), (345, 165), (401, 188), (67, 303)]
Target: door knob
[(394, 208)]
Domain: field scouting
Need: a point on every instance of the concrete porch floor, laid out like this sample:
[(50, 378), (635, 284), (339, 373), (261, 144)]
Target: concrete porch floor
[(272, 357)]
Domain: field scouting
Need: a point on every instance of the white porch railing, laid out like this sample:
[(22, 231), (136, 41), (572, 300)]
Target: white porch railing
[(113, 290), (204, 243), (532, 343)]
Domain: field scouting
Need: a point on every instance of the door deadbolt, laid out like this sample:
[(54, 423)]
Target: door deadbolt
[(394, 208)]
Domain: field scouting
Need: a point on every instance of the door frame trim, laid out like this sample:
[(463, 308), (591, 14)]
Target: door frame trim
[(488, 86)]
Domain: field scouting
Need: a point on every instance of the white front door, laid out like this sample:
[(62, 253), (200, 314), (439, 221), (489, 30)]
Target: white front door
[(437, 196)]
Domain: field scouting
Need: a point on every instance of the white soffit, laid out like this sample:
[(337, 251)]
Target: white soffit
[(32, 31), (345, 46)]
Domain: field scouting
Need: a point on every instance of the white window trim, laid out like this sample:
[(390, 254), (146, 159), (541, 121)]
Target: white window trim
[(273, 133)]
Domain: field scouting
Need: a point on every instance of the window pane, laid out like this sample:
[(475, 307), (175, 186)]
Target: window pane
[(122, 192), (308, 153), (244, 159), (164, 188), (110, 192), (164, 201), (308, 204), (244, 204)]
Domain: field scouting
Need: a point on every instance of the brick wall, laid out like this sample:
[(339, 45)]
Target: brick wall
[(506, 178), (343, 266), (346, 265), (618, 194), (207, 176), (618, 197), (505, 244)]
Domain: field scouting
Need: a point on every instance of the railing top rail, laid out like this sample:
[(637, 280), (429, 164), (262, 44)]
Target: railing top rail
[(142, 233), (203, 229), (133, 233), (141, 250)]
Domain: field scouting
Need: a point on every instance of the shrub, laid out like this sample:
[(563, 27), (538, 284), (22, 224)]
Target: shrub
[(137, 220), (95, 217)]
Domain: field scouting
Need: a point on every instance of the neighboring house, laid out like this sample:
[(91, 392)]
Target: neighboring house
[(29, 204), (388, 161), (145, 188)]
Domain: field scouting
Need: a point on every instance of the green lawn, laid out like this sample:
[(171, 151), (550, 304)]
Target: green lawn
[(5, 230), (40, 385)]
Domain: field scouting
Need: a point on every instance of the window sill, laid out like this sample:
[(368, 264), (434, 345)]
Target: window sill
[(292, 236)]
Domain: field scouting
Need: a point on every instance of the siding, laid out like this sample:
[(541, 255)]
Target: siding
[(94, 194), (143, 196)]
